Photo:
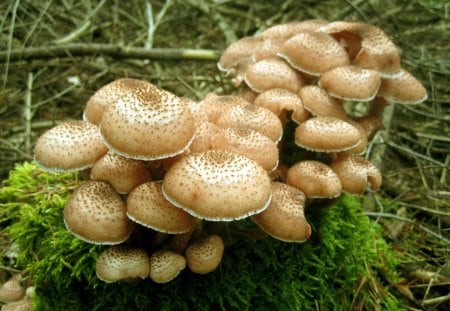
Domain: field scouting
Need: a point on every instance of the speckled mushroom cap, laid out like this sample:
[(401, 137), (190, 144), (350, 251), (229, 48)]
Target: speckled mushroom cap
[(404, 90), (313, 52), (249, 143), (247, 115), (286, 30), (12, 290), (205, 133), (165, 265), (278, 100), (351, 83), (120, 262), (315, 179), (238, 51), (69, 146), (368, 46), (317, 101), (271, 73), (109, 94), (148, 124), (124, 174), (147, 206), (284, 219), (204, 255), (96, 214), (327, 134), (217, 185), (355, 172)]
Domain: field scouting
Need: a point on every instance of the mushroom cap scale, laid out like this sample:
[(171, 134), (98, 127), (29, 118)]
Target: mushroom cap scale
[(165, 265), (70, 146), (217, 185), (96, 214)]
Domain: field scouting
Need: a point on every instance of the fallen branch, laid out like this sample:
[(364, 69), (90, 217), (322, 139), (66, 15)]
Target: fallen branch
[(91, 49)]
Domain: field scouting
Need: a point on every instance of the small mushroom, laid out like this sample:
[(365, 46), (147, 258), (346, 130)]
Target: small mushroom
[(284, 219), (237, 52), (121, 262), (315, 179), (205, 255), (24, 304), (96, 213), (165, 265), (404, 90), (12, 289), (217, 185), (317, 101)]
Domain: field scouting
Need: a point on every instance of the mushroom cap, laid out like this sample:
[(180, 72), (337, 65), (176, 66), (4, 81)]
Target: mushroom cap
[(286, 30), (165, 265), (24, 304), (277, 100), (148, 124), (109, 94), (238, 51), (313, 52), (204, 255), (120, 262), (317, 101), (147, 206), (284, 219), (124, 174), (355, 172), (205, 132), (351, 83), (12, 290), (96, 213), (327, 134), (271, 73), (217, 185), (315, 179), (404, 90), (249, 143), (69, 146)]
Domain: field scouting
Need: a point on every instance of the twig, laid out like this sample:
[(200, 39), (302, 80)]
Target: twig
[(27, 113), (10, 39), (15, 149), (413, 153), (436, 300), (90, 49)]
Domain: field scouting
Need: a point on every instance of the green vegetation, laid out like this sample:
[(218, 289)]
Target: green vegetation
[(344, 264)]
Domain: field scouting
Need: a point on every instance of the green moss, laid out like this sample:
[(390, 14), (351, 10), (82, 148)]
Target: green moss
[(339, 267)]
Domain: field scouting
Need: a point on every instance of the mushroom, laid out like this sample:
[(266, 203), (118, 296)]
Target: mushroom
[(24, 304), (317, 101), (351, 83), (12, 290), (204, 255), (237, 52), (124, 174), (96, 213), (120, 262), (148, 124), (313, 53), (284, 219), (404, 90), (355, 172), (69, 146), (147, 206), (165, 265), (327, 134), (315, 179), (217, 185), (286, 30)]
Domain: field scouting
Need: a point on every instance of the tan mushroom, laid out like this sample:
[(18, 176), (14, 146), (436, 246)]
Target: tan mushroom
[(205, 255), (327, 134), (317, 101), (96, 214), (24, 304), (315, 179), (165, 265), (404, 90), (69, 146), (238, 52), (286, 30), (124, 174), (120, 262), (12, 289), (284, 219), (217, 185), (147, 206), (355, 172), (205, 133)]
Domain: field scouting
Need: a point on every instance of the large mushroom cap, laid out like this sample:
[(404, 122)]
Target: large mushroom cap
[(351, 83), (204, 255), (313, 52), (218, 185), (69, 146), (165, 265), (148, 124), (96, 214), (284, 219), (315, 179), (327, 134), (147, 206), (121, 262)]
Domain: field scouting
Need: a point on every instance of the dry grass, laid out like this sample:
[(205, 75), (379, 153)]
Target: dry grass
[(36, 93)]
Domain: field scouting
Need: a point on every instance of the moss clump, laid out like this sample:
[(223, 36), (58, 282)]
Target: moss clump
[(338, 268)]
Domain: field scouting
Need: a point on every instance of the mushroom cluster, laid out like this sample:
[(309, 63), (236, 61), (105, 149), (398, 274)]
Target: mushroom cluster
[(161, 170)]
